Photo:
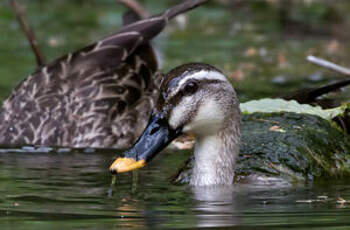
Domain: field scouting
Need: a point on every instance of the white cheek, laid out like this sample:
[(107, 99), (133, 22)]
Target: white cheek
[(208, 119), (179, 113)]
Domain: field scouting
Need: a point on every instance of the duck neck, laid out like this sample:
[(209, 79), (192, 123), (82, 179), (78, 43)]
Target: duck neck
[(215, 157)]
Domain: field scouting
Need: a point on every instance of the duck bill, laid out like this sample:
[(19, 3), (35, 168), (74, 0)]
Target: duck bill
[(155, 137)]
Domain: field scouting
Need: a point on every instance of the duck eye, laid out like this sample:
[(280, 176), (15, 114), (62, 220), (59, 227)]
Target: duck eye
[(190, 88)]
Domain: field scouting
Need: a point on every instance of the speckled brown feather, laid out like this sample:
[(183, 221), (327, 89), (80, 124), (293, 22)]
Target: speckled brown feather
[(99, 96)]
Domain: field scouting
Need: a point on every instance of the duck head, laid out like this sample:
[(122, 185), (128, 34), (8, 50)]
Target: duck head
[(194, 98)]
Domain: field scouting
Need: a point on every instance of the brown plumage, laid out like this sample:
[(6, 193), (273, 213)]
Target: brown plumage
[(99, 96)]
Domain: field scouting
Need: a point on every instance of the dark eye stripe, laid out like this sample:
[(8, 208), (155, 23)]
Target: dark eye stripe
[(173, 85), (174, 100), (199, 83), (205, 81)]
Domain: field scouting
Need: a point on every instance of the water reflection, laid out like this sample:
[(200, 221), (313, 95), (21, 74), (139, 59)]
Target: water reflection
[(215, 206)]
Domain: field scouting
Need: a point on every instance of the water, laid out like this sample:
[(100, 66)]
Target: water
[(49, 188), (70, 190)]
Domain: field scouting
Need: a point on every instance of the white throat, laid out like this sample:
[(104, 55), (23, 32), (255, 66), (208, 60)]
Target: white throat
[(215, 158)]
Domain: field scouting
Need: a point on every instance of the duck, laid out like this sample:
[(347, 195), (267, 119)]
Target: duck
[(197, 99), (98, 96), (269, 149)]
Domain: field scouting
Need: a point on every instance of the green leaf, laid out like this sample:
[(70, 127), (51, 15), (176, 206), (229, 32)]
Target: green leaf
[(269, 105)]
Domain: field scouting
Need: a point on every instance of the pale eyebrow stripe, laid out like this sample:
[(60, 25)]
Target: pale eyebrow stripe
[(210, 75), (204, 74)]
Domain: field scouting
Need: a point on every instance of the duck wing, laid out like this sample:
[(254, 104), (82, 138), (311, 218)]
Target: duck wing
[(99, 96)]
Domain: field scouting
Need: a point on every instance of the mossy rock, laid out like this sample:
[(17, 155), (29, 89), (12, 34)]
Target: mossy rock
[(288, 147)]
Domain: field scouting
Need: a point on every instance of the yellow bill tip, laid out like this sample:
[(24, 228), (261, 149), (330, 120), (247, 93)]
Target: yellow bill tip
[(121, 165)]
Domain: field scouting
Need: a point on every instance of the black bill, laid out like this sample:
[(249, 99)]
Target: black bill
[(155, 137)]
